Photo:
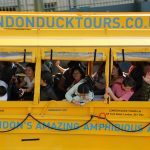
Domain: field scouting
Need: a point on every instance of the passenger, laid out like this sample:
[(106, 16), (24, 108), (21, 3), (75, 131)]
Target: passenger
[(67, 76), (136, 72), (18, 74), (46, 91), (116, 76), (78, 75), (27, 85), (143, 93), (66, 79), (18, 79), (122, 91), (99, 78), (3, 91), (80, 94)]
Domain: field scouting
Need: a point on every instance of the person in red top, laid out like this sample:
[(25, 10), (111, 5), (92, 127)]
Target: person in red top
[(122, 91)]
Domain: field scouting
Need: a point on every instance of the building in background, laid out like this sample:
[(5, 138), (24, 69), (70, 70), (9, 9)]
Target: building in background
[(17, 5), (75, 5)]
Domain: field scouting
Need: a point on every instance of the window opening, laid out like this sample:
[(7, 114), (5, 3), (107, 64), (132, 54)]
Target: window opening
[(16, 81), (130, 81)]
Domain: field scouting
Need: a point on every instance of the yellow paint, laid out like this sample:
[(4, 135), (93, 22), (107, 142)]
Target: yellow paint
[(98, 134), (75, 21)]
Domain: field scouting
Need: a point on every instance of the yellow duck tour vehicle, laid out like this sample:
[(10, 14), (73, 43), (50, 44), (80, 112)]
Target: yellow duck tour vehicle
[(93, 39)]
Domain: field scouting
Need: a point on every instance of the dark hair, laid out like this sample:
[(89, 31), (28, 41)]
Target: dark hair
[(83, 88), (80, 69), (118, 67), (73, 64), (90, 82), (46, 77), (49, 65), (31, 65), (129, 81), (146, 68), (3, 90), (101, 69)]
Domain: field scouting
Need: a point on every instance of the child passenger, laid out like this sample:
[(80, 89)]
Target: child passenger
[(122, 91), (80, 94)]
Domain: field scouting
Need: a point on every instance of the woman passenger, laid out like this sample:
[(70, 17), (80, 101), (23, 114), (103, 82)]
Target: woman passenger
[(99, 78), (116, 76), (78, 74), (66, 79)]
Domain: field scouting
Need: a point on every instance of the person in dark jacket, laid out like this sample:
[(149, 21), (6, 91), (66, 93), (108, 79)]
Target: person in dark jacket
[(143, 94), (46, 91), (136, 72)]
